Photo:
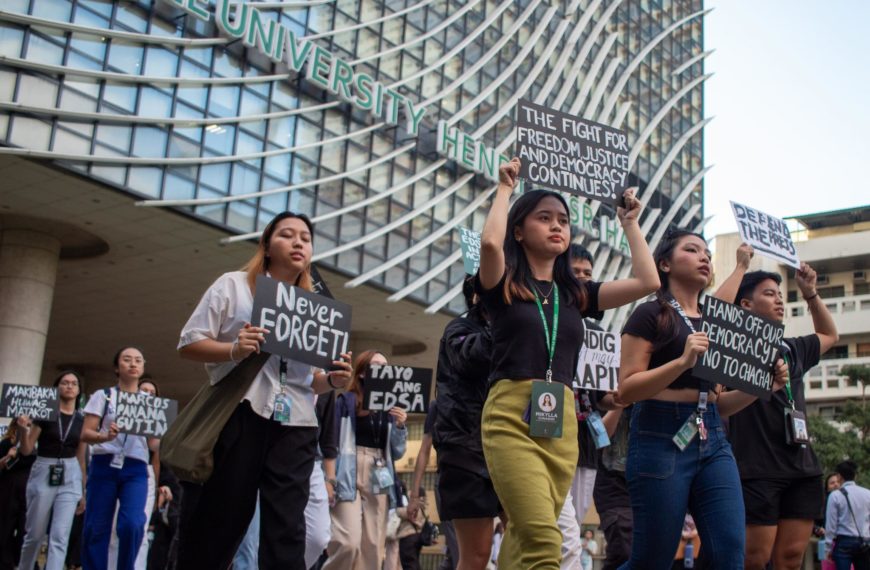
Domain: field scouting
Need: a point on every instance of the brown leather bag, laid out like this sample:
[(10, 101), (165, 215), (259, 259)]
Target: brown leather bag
[(188, 446)]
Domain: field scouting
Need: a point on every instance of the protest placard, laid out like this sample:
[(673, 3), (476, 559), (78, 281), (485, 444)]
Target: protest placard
[(743, 348), (767, 234), (38, 402), (319, 284), (138, 413), (469, 243), (303, 326), (598, 365), (405, 387), (564, 152)]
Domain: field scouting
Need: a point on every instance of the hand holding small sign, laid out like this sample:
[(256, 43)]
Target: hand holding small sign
[(806, 281), (629, 208), (399, 415), (248, 342), (509, 173), (745, 253), (697, 344)]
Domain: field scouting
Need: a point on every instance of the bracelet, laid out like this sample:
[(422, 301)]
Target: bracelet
[(329, 381), (811, 297), (232, 348), (332, 482)]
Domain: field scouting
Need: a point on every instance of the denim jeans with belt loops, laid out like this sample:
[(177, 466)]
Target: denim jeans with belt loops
[(666, 483)]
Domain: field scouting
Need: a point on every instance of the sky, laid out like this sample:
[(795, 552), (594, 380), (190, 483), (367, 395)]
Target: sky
[(791, 101)]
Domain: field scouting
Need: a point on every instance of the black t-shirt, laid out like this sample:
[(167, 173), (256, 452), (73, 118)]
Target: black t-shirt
[(611, 490), (49, 444), (20, 463), (643, 323), (519, 350), (757, 432), (371, 430)]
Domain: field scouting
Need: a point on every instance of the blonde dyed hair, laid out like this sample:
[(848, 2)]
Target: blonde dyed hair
[(259, 262)]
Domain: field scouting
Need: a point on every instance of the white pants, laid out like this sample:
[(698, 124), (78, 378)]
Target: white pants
[(142, 556), (570, 535), (318, 529), (41, 499), (582, 489)]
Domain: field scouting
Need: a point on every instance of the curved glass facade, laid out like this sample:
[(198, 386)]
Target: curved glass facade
[(151, 99)]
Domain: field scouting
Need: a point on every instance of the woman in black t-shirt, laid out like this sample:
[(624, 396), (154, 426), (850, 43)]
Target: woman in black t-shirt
[(528, 289), (55, 489), (679, 459)]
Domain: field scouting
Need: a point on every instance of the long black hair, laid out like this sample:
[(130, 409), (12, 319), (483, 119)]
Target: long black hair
[(518, 274), (79, 380), (668, 324)]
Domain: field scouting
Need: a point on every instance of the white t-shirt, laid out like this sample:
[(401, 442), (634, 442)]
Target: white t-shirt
[(134, 446), (222, 312)]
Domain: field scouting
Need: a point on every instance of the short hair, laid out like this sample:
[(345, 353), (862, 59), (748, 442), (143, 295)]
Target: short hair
[(580, 252), (116, 360), (751, 280), (847, 470)]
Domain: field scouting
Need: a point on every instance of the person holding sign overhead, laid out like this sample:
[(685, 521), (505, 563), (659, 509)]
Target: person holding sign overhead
[(779, 471), (679, 458), (269, 442), (118, 473), (536, 306), (368, 443), (55, 489)]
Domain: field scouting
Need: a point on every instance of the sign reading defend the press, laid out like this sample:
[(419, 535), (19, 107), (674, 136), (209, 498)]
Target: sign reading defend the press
[(564, 152), (38, 402), (743, 348), (598, 365), (388, 386), (303, 326), (138, 413), (469, 243), (767, 234)]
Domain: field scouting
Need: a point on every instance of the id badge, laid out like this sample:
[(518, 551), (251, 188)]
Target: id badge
[(796, 430), (283, 404), (546, 409), (687, 433), (382, 480), (599, 432), (55, 475), (117, 461)]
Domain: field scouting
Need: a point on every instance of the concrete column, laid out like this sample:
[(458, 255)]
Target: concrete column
[(28, 270)]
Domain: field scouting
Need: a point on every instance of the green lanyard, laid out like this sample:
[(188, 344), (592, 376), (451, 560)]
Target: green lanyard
[(550, 341), (788, 384)]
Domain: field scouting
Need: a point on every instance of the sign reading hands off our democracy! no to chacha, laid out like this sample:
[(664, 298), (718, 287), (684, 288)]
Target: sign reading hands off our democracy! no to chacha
[(38, 402), (743, 348), (568, 153), (303, 326)]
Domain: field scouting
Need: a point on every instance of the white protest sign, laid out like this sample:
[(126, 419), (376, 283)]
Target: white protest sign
[(469, 243), (767, 234), (598, 365)]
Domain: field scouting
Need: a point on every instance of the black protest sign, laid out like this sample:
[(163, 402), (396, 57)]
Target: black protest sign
[(743, 348), (767, 234), (139, 413), (303, 326), (568, 153), (38, 402), (388, 386), (598, 365), (319, 284)]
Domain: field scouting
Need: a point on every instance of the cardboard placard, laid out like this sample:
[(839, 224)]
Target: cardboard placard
[(767, 234), (743, 348), (303, 326), (598, 365), (469, 243), (39, 402), (405, 387), (138, 413), (572, 154), (319, 284)]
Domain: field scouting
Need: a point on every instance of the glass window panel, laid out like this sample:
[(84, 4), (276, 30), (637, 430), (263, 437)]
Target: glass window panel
[(115, 174), (51, 9), (124, 57), (37, 91), (7, 85), (11, 39), (146, 180), (30, 133), (161, 62), (43, 50), (132, 16), (121, 96), (93, 46), (224, 100), (72, 143), (150, 141), (154, 103)]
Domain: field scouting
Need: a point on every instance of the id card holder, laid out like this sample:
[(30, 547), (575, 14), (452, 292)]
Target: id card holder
[(687, 433), (547, 409), (382, 479), (117, 461), (55, 475), (283, 405), (599, 432), (796, 428)]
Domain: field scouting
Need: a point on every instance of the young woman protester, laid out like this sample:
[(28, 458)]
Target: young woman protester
[(55, 489), (679, 459), (258, 449), (536, 306), (118, 473), (364, 485), (14, 472)]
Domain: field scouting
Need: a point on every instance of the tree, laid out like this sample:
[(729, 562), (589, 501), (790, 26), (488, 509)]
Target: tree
[(858, 373), (833, 446)]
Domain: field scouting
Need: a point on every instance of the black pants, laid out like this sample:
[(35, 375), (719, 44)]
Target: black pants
[(251, 453), (617, 525), (409, 552)]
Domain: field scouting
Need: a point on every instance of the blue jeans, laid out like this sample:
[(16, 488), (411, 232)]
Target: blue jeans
[(246, 555), (846, 554), (665, 483), (126, 488)]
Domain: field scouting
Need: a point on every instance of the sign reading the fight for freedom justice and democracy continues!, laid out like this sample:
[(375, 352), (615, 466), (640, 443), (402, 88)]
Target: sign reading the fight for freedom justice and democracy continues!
[(388, 386), (568, 153), (767, 234), (143, 414), (469, 243), (38, 402), (302, 326), (598, 366), (743, 348)]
